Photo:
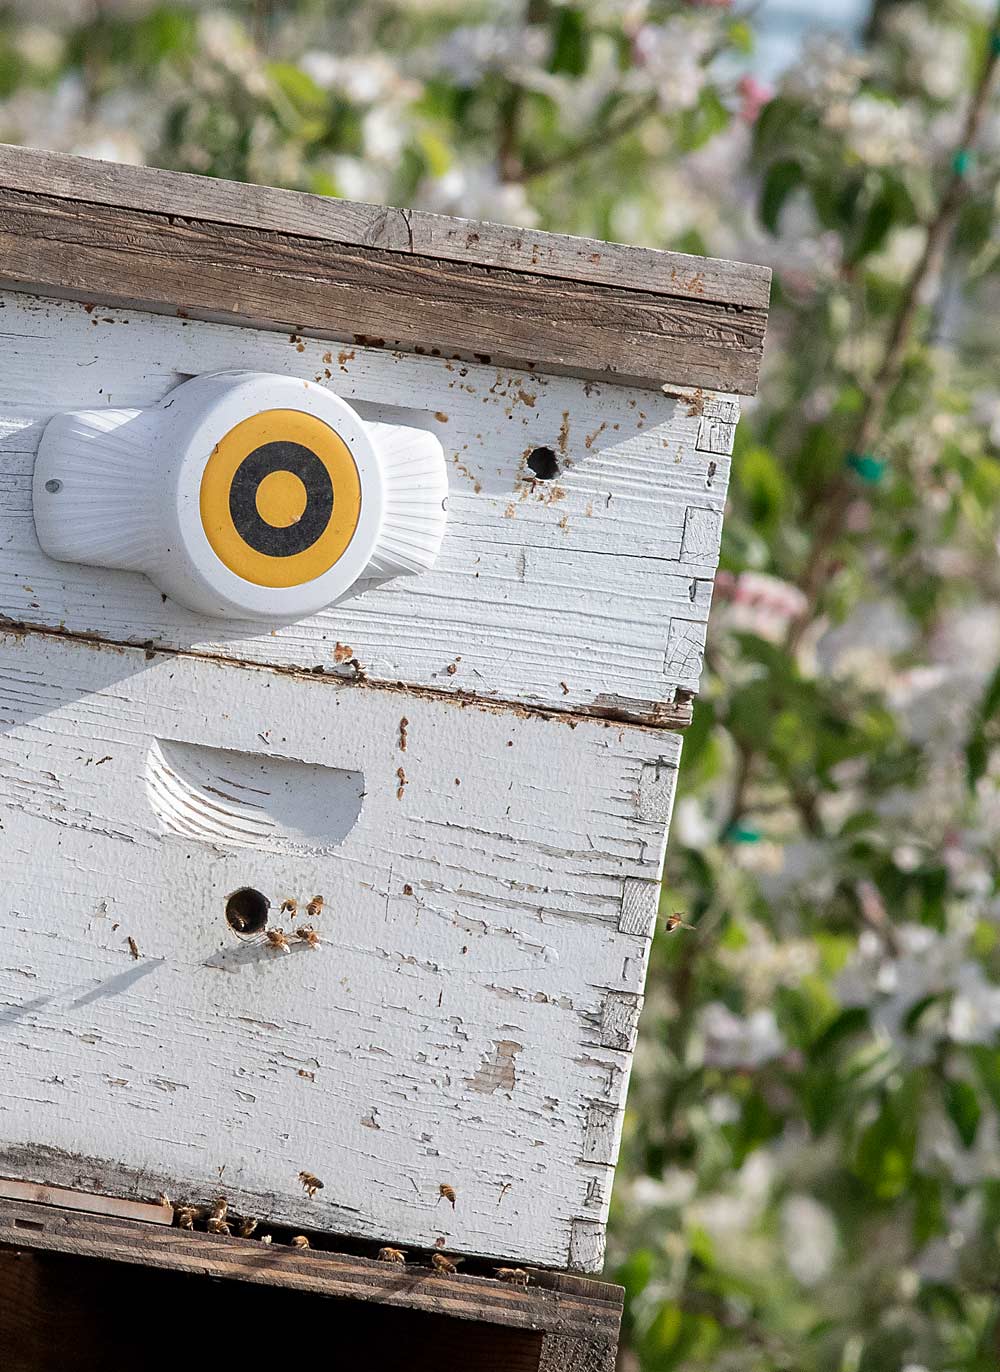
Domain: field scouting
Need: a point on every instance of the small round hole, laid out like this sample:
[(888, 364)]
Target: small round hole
[(544, 463), (246, 910), (53, 485)]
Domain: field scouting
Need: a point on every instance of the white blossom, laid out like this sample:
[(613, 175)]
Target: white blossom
[(670, 57), (828, 70), (880, 132), (809, 1234), (935, 54), (975, 1007), (732, 1040)]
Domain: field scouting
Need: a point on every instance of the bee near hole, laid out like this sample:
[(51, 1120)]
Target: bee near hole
[(543, 463), (246, 911)]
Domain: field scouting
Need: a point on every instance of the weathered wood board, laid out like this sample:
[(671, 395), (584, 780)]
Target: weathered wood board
[(586, 592), (397, 278), (78, 1292), (490, 879)]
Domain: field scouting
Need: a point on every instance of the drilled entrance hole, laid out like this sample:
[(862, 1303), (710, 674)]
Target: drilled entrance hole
[(246, 910), (544, 463)]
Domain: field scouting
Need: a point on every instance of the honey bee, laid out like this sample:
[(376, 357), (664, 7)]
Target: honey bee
[(447, 1193), (515, 1276), (391, 1255), (308, 935), (676, 921), (290, 906), (133, 948), (220, 1207), (299, 1241), (311, 1183), (444, 1264), (164, 1200), (276, 938), (315, 907), (185, 1215), (216, 1225), (246, 1226)]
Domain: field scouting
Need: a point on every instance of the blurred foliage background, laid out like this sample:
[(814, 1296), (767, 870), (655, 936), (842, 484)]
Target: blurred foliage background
[(810, 1175)]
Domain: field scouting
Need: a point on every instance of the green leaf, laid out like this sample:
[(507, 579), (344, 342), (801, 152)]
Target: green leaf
[(757, 474), (298, 86), (849, 1023), (986, 1062), (875, 227), (886, 1149), (570, 41), (984, 731), (776, 127), (782, 178), (964, 1110), (708, 117), (741, 36)]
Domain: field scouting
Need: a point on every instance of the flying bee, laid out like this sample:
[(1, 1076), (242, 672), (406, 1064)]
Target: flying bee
[(514, 1276), (299, 1241), (311, 1183), (308, 935), (391, 1255), (443, 1264), (246, 1226), (185, 1215), (447, 1193), (315, 907), (133, 948), (676, 921), (276, 938), (290, 906)]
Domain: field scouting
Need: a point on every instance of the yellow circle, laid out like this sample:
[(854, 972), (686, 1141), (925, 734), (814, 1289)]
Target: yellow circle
[(281, 499), (276, 498)]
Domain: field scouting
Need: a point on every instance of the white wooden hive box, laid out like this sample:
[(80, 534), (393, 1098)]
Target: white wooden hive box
[(473, 766)]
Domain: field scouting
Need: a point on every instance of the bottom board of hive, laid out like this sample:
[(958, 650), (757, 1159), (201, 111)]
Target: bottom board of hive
[(489, 879)]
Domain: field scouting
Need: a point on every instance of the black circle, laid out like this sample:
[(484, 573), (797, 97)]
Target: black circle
[(246, 910), (280, 456)]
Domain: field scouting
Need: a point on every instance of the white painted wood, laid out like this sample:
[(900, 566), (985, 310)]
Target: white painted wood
[(467, 1019), (588, 591), (640, 902)]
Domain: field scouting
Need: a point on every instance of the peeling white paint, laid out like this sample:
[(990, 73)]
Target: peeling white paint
[(467, 1019)]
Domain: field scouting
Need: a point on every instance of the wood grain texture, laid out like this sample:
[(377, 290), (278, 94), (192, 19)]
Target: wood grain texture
[(589, 592), (358, 294), (407, 232), (87, 1201), (63, 1313), (474, 997), (591, 1311), (562, 1354)]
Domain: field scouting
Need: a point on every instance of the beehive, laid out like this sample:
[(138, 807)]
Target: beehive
[(473, 764)]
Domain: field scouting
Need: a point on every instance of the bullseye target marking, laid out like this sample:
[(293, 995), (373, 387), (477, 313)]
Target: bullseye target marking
[(280, 498)]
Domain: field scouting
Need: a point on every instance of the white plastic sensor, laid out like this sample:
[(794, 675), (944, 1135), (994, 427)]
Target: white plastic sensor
[(243, 495)]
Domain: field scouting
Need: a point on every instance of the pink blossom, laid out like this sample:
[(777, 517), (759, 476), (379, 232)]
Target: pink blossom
[(754, 95)]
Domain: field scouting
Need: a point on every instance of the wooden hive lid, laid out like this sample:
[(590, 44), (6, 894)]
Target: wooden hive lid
[(372, 275)]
